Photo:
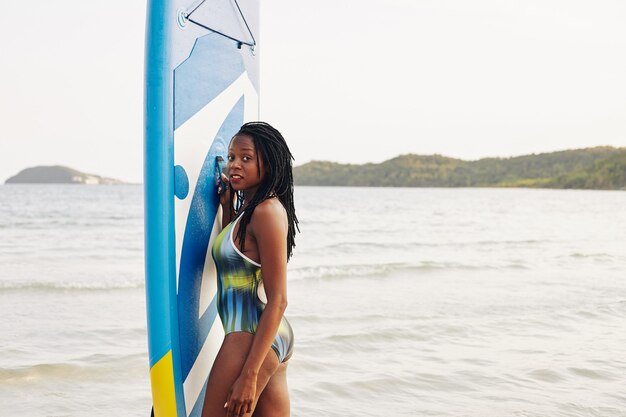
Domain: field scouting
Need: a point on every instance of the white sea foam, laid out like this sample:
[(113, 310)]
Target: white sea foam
[(69, 285)]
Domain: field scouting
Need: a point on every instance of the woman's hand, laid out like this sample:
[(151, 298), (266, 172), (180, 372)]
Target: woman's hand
[(241, 396), (223, 190)]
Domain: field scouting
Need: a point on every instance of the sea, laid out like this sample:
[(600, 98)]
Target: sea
[(462, 302)]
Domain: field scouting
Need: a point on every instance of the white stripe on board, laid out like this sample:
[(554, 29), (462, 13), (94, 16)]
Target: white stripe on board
[(192, 387)]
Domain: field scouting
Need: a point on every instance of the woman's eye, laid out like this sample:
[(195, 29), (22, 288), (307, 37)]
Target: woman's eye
[(231, 158), (246, 158)]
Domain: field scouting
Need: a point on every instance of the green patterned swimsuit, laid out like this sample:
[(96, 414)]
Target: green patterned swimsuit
[(238, 302)]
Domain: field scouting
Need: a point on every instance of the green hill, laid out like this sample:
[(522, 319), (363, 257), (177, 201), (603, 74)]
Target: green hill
[(598, 168), (57, 174), (605, 174)]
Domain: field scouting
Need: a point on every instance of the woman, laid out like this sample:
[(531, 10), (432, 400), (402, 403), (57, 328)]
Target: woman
[(251, 254)]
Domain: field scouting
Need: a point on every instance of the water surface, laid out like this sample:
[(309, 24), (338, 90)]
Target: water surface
[(406, 302)]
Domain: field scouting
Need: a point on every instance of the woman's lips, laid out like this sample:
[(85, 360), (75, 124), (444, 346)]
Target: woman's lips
[(235, 178)]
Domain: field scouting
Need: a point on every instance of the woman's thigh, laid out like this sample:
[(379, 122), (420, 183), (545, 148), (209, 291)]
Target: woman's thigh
[(227, 368), (274, 400)]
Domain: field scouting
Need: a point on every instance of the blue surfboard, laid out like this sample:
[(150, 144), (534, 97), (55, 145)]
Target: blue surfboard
[(201, 85)]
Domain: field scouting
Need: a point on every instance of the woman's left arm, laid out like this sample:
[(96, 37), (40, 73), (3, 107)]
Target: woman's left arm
[(269, 227)]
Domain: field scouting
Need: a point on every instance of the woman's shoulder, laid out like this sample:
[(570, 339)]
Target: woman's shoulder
[(269, 212), (271, 207)]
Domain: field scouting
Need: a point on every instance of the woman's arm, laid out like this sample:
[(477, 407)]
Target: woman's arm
[(226, 201), (269, 227)]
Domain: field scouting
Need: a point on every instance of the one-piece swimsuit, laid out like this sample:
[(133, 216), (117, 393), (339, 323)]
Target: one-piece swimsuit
[(238, 285)]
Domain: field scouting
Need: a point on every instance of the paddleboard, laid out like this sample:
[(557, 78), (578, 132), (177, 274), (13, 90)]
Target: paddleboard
[(201, 85)]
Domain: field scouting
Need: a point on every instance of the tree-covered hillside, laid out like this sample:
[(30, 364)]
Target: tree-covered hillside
[(57, 174), (600, 167)]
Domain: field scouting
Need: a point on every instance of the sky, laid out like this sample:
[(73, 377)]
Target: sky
[(344, 80)]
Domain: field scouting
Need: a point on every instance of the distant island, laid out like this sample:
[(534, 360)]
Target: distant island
[(58, 174), (601, 167)]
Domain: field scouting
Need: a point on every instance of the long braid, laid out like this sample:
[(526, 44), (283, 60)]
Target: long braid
[(278, 179)]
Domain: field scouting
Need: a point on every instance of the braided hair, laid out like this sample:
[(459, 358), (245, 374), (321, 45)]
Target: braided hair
[(278, 180)]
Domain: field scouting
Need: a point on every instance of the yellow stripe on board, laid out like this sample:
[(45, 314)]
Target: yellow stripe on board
[(162, 380)]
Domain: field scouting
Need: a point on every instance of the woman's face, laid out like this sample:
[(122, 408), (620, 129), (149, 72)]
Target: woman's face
[(243, 168)]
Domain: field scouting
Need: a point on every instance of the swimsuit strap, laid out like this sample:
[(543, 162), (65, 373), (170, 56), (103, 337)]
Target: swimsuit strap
[(232, 242)]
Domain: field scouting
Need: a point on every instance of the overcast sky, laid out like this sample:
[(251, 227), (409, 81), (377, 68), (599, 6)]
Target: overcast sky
[(346, 81)]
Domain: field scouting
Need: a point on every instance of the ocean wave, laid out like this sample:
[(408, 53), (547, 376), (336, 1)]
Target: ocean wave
[(510, 242), (46, 371), (594, 256), (354, 246), (343, 271), (371, 270), (600, 311), (90, 367), (6, 286), (322, 272)]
